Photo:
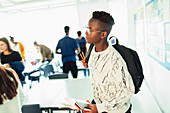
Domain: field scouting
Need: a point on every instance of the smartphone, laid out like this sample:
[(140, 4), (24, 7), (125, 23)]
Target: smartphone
[(82, 106)]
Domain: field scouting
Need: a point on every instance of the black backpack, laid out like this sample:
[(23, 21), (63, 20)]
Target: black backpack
[(132, 61)]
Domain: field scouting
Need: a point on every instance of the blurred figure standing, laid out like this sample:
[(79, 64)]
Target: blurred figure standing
[(83, 49), (82, 43), (46, 53), (68, 46), (18, 46)]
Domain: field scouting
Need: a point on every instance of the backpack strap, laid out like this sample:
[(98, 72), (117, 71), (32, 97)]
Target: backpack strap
[(88, 53), (113, 40)]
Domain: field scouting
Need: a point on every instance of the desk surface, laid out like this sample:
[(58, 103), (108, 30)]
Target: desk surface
[(50, 93)]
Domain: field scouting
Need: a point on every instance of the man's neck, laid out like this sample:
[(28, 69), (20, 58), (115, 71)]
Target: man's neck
[(67, 34), (101, 47), (79, 37), (15, 43)]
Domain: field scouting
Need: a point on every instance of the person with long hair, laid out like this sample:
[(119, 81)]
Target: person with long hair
[(10, 58), (11, 95)]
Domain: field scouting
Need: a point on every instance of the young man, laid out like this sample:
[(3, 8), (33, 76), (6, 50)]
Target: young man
[(68, 46), (112, 84), (82, 43)]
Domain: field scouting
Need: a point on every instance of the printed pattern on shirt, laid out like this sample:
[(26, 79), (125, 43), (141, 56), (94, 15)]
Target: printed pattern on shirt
[(110, 79)]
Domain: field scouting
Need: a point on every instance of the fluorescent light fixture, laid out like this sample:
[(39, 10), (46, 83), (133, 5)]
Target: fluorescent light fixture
[(20, 0), (6, 4), (34, 8), (84, 0), (38, 5), (13, 11), (62, 4)]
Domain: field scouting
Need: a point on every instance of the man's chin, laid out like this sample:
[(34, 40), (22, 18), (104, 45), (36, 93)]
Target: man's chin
[(89, 42)]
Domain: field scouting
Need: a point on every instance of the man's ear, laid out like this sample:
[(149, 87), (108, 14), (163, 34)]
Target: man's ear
[(103, 34)]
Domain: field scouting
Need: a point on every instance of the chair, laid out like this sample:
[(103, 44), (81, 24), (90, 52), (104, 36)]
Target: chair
[(58, 75), (32, 73), (32, 108), (48, 70)]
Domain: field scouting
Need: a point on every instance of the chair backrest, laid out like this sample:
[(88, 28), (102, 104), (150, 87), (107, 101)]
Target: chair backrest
[(32, 108), (48, 70)]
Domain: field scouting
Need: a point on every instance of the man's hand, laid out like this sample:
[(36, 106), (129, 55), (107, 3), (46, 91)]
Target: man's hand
[(84, 63), (92, 107)]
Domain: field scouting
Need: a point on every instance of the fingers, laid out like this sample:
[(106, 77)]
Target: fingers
[(84, 63), (88, 101), (82, 56)]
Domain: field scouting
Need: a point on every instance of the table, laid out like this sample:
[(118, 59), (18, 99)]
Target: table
[(50, 93)]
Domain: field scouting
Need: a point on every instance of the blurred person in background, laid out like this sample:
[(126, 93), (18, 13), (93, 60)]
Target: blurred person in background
[(68, 47), (82, 43), (11, 59), (83, 49), (18, 46), (46, 53)]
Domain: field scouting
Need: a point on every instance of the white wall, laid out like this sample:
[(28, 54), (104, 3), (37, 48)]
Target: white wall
[(120, 16), (155, 74), (118, 8), (85, 10), (44, 26)]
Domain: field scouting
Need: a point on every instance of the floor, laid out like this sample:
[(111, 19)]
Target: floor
[(143, 102)]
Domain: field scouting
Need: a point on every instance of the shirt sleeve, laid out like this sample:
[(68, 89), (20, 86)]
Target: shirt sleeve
[(76, 44), (58, 45), (22, 49), (85, 40)]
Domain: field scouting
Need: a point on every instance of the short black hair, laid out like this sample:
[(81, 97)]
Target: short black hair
[(105, 18), (11, 38), (79, 33), (66, 28), (35, 43)]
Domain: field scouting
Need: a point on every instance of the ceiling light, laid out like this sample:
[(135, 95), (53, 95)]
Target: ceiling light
[(20, 0), (7, 4), (34, 8), (63, 4)]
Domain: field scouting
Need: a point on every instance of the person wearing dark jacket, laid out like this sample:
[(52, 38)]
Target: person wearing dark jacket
[(11, 59)]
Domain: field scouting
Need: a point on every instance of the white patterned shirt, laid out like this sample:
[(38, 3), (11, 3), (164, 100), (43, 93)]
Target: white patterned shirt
[(112, 84)]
